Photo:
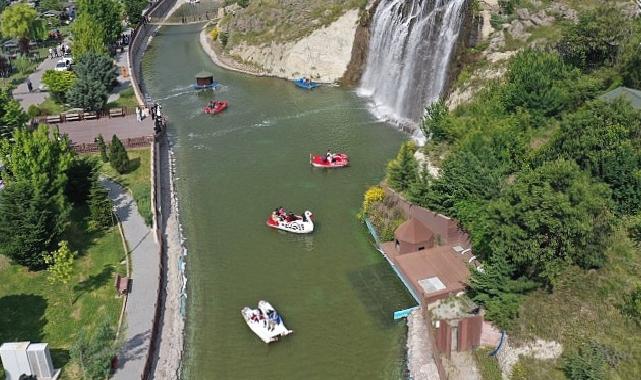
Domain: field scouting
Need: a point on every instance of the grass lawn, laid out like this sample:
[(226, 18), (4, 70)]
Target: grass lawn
[(50, 107), (137, 180), (583, 307), (487, 365), (32, 309), (127, 99)]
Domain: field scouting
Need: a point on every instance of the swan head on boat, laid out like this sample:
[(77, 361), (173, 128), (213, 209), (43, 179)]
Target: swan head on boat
[(309, 215)]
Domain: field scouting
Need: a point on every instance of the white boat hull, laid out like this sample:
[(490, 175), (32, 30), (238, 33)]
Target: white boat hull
[(268, 330)]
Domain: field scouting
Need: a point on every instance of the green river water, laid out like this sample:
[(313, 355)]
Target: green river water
[(333, 288)]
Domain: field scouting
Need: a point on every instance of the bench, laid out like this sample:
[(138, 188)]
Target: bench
[(122, 285), (53, 119), (116, 112), (72, 117), (89, 116)]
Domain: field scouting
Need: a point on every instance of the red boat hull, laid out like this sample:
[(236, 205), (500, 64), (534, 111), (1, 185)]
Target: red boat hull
[(340, 160), (217, 108)]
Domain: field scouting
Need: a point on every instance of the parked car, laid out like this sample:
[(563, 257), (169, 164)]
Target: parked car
[(64, 64)]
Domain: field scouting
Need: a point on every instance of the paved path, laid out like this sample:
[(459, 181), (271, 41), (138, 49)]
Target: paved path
[(85, 131), (141, 304), (122, 63), (22, 94)]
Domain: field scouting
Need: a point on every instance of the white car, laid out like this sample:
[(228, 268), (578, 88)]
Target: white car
[(63, 65)]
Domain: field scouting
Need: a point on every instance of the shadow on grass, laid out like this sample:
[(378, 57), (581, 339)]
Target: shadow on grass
[(134, 164), (22, 318), (94, 282), (60, 357), (81, 238), (381, 292)]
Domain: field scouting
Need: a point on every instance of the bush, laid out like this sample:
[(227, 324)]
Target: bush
[(118, 156), (102, 147), (224, 38), (433, 125), (100, 207), (93, 352), (33, 111), (93, 67), (509, 6), (214, 34), (89, 95), (372, 195), (403, 170), (590, 362), (59, 82), (631, 306), (23, 64)]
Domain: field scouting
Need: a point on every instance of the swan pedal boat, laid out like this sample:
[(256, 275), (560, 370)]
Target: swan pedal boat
[(214, 108), (340, 160), (307, 85), (265, 322), (292, 223)]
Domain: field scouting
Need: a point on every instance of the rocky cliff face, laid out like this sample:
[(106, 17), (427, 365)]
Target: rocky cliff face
[(323, 55)]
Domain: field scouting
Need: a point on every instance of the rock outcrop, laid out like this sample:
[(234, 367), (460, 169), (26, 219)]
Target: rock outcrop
[(323, 55)]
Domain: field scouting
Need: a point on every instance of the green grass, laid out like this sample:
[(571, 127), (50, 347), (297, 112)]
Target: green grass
[(50, 107), (488, 366), (137, 180), (584, 307), (127, 99), (32, 309)]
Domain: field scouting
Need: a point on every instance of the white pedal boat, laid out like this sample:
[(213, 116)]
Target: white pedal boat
[(265, 322), (291, 223)]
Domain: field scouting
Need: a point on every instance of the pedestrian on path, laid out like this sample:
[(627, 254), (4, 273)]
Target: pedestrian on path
[(158, 115), (29, 85), (50, 53), (138, 115)]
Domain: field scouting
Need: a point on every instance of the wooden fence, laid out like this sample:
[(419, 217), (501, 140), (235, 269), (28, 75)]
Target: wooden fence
[(132, 143)]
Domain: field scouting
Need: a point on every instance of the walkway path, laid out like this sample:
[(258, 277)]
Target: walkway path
[(141, 303), (21, 92), (86, 131)]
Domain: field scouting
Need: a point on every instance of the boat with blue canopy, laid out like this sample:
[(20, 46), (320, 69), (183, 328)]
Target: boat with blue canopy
[(306, 83)]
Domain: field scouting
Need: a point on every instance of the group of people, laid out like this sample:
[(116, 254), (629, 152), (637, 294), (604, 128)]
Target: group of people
[(59, 51), (153, 111), (280, 214)]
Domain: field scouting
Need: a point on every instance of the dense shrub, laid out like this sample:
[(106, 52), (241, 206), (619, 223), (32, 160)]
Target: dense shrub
[(118, 157), (58, 83), (100, 207), (402, 171)]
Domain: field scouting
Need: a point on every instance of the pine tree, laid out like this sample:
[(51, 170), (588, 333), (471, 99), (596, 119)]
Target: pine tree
[(100, 207), (402, 171), (118, 155), (102, 147)]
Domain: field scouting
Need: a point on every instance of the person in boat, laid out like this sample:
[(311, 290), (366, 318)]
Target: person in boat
[(329, 156)]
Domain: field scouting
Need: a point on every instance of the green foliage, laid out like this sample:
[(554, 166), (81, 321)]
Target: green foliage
[(634, 228), (106, 13), (59, 82), (21, 21), (39, 162), (133, 10), (23, 64), (55, 5), (92, 67), (102, 147), (433, 123), (118, 157), (27, 225), (100, 207), (224, 38), (82, 175), (13, 115), (88, 95), (509, 6), (631, 306), (631, 59), (33, 111), (590, 362), (595, 40), (94, 351), (604, 140), (60, 264), (403, 170), (88, 36), (551, 217), (539, 82)]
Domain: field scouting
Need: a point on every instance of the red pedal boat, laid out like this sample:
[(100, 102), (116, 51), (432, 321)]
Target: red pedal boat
[(215, 107), (339, 160)]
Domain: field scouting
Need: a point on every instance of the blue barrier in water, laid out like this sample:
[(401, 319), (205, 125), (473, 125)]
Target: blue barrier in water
[(404, 313), (498, 348), (372, 230)]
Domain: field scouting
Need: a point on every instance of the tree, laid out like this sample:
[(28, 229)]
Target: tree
[(21, 21), (59, 82), (402, 171), (13, 116), (82, 175), (88, 95), (434, 122), (603, 139), (88, 36), (587, 363), (61, 266), (41, 160), (596, 39), (106, 13), (631, 306), (551, 217), (93, 352), (631, 59), (118, 155), (27, 225), (102, 147), (538, 82), (92, 67), (100, 207), (134, 9)]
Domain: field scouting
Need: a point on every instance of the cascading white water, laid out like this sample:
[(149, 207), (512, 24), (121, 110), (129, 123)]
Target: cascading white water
[(410, 48)]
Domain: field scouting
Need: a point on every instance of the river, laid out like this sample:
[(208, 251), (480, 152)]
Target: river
[(333, 288)]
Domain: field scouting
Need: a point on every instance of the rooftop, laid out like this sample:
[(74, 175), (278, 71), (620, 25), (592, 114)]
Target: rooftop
[(413, 231)]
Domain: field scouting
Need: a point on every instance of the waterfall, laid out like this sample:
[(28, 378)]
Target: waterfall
[(410, 49)]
